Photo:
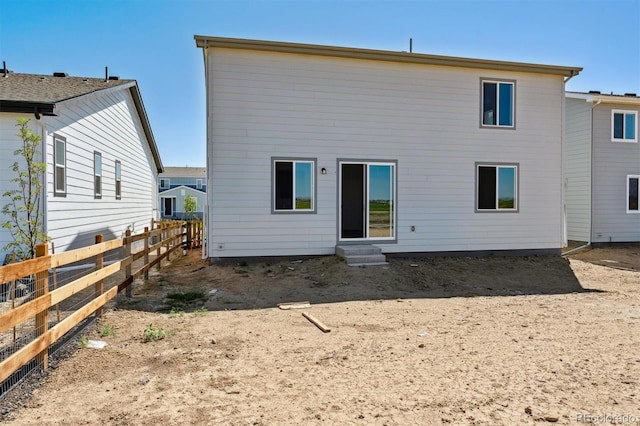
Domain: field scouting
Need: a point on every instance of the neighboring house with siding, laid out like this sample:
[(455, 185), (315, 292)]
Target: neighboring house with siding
[(310, 147), (175, 183), (602, 167), (101, 158)]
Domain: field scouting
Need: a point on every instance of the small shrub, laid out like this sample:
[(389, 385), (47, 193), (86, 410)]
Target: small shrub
[(83, 342), (200, 312), (175, 312), (107, 330), (153, 333)]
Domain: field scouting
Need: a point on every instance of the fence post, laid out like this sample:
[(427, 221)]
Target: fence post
[(159, 242), (42, 288), (187, 225), (146, 252), (99, 285), (127, 270)]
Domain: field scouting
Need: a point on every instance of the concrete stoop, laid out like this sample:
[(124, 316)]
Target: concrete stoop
[(361, 255)]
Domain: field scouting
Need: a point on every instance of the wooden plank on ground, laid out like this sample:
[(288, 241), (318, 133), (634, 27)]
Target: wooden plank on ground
[(316, 322), (294, 305)]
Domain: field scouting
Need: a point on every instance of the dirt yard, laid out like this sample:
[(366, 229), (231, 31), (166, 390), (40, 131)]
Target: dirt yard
[(465, 341)]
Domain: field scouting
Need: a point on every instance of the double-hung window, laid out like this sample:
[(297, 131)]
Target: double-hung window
[(60, 166), (97, 175), (497, 187), (498, 103), (624, 126), (164, 183), (293, 185), (118, 180), (632, 193)]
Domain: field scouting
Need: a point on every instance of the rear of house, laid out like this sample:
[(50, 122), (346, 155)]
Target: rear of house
[(101, 158), (310, 147), (602, 167)]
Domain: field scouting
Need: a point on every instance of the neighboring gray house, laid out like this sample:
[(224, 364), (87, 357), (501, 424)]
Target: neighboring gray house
[(602, 167), (310, 147), (101, 158), (175, 183)]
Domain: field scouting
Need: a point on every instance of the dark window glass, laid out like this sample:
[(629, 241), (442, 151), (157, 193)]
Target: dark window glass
[(633, 194), (284, 185), (489, 103), (486, 187), (618, 126)]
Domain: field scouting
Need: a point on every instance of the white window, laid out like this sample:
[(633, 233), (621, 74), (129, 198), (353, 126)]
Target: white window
[(164, 183), (60, 166), (97, 175), (198, 183), (498, 104), (118, 180), (632, 193), (496, 187), (294, 185), (624, 126)]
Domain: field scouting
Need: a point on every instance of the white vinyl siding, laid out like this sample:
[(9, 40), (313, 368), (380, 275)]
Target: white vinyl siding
[(577, 169), (267, 104), (106, 123), (613, 163)]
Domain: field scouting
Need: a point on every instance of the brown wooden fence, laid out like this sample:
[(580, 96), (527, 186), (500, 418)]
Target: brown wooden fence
[(158, 243)]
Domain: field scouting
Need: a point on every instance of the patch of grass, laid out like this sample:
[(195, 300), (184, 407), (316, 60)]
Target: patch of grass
[(153, 333), (107, 330), (177, 302), (175, 312), (200, 312), (83, 342)]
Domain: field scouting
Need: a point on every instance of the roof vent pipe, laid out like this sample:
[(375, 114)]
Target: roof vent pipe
[(106, 73), (4, 69)]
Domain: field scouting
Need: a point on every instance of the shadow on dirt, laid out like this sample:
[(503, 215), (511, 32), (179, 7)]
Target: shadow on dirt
[(329, 280)]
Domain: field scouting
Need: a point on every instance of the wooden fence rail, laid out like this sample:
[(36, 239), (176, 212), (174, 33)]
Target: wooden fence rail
[(172, 235)]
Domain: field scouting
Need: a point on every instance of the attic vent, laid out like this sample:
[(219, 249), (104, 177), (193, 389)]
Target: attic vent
[(594, 92), (630, 94), (114, 77), (60, 74)]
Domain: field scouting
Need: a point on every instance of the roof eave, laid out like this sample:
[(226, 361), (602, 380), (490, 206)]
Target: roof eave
[(144, 119), (381, 55), (27, 107)]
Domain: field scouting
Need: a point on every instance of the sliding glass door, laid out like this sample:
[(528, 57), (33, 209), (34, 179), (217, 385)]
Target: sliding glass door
[(367, 201)]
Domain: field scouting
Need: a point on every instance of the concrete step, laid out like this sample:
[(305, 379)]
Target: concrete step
[(361, 255)]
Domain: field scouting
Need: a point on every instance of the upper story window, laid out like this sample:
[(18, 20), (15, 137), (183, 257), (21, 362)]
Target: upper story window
[(164, 183), (198, 183), (294, 185), (498, 103), (624, 126), (118, 180), (97, 175), (632, 193), (496, 187), (60, 166)]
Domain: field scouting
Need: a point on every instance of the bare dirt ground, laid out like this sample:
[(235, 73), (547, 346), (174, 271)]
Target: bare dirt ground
[(471, 341)]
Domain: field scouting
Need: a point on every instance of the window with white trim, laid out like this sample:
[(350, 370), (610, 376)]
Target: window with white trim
[(164, 183), (624, 126), (632, 193), (118, 180), (198, 183), (60, 166), (497, 187), (293, 185), (97, 174), (498, 103)]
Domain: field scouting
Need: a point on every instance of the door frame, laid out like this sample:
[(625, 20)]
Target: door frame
[(367, 162)]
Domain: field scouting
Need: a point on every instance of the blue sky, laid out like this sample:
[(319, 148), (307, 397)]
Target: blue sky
[(151, 41)]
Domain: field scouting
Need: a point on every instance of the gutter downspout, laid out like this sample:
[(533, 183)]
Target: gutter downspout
[(588, 244), (206, 241)]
